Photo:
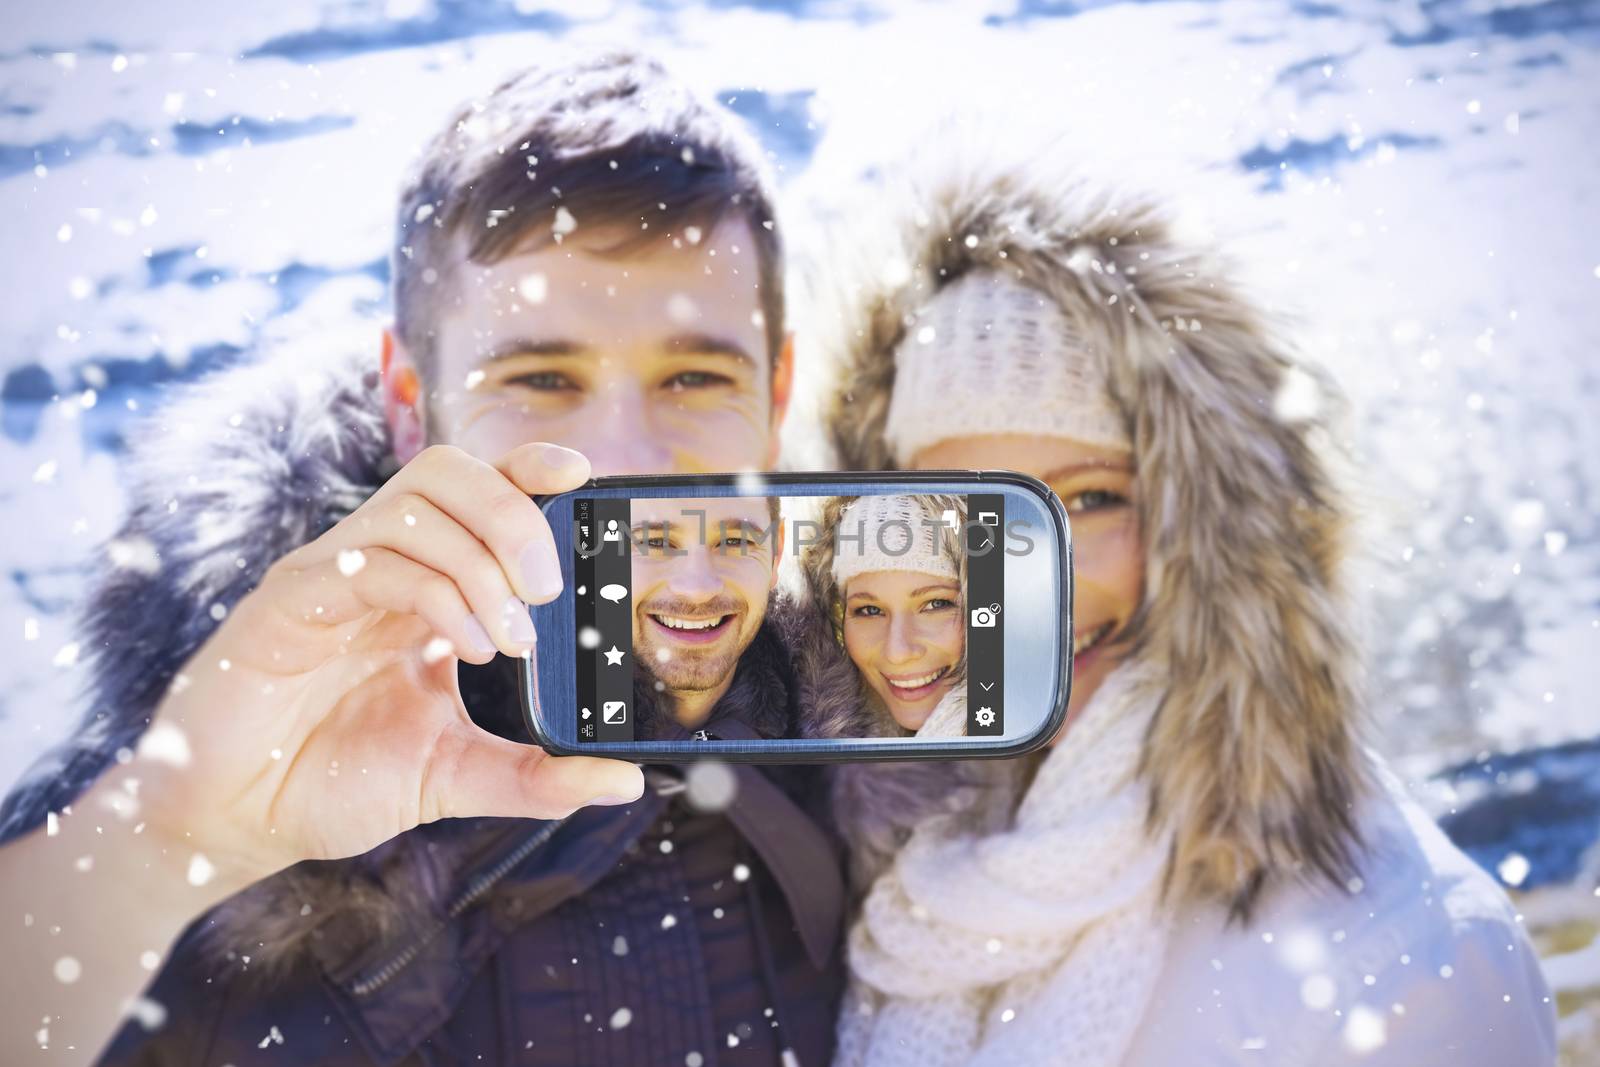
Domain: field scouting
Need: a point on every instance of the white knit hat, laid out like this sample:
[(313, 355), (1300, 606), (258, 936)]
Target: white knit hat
[(990, 355), (890, 533)]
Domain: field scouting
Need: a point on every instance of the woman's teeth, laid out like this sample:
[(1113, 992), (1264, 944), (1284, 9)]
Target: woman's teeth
[(676, 623), (919, 681), (1089, 640)]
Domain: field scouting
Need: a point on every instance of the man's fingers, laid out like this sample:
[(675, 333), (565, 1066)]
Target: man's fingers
[(492, 502), (359, 581), (474, 773), (488, 505), (539, 469)]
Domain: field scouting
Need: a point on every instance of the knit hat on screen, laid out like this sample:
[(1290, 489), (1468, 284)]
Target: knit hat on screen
[(990, 355), (892, 533)]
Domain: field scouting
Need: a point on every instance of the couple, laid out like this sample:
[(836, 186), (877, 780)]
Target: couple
[(317, 855), (705, 582)]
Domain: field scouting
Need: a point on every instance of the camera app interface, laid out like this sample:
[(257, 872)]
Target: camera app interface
[(676, 595)]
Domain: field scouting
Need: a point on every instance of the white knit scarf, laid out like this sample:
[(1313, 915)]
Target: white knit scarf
[(1033, 939)]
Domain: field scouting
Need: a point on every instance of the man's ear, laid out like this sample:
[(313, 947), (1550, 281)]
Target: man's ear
[(782, 389), (402, 399)]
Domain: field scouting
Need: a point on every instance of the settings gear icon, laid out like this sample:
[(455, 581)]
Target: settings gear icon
[(985, 716)]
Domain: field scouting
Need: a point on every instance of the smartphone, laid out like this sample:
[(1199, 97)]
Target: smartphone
[(937, 604)]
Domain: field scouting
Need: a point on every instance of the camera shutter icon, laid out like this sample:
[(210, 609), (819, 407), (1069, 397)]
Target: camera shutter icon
[(985, 617)]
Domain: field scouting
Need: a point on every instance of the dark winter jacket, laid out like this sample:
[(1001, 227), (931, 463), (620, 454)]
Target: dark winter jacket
[(636, 934)]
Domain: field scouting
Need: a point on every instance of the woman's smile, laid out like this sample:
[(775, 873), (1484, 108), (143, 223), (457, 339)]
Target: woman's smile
[(914, 687)]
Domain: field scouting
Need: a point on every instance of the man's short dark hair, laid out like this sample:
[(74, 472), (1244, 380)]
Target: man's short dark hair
[(614, 139)]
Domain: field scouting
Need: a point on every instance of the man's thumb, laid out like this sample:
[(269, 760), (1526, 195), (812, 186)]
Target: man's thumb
[(474, 773)]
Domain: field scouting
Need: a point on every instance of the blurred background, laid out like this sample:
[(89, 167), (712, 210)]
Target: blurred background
[(187, 185)]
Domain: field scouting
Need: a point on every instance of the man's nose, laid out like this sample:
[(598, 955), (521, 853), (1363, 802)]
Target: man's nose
[(618, 437), (694, 575)]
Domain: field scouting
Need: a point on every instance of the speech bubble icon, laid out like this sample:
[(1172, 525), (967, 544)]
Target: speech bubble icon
[(613, 592)]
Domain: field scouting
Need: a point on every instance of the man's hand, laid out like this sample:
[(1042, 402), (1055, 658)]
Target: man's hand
[(323, 716)]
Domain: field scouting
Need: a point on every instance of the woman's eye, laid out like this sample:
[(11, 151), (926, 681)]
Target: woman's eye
[(939, 604), (867, 611), (544, 381), (1094, 499), (696, 379)]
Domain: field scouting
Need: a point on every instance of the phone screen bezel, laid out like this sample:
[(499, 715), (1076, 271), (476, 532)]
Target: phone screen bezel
[(548, 678)]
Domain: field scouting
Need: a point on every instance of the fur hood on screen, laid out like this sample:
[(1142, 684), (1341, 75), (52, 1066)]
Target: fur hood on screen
[(234, 472), (1254, 757)]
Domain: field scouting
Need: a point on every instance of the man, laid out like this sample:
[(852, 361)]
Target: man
[(278, 742), (703, 573)]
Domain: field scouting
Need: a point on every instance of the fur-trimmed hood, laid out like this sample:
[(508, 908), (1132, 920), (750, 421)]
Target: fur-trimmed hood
[(1254, 756), (232, 473)]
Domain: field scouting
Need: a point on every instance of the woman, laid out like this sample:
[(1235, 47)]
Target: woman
[(893, 588), (1207, 866)]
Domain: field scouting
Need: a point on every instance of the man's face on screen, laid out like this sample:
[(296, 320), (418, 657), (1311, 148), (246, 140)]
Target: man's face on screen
[(653, 362), (703, 570)]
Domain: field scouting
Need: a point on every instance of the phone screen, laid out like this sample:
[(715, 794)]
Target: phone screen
[(671, 592)]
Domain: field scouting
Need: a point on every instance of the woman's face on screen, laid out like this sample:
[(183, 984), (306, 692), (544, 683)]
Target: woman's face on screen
[(905, 633)]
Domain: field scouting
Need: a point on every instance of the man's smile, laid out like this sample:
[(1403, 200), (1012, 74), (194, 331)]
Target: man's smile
[(692, 631)]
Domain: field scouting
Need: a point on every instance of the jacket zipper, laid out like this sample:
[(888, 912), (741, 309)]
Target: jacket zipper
[(474, 891)]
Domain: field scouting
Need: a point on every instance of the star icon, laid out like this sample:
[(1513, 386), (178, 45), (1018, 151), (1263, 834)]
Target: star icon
[(614, 656)]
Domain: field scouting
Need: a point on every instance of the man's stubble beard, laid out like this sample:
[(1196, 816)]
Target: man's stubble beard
[(695, 674)]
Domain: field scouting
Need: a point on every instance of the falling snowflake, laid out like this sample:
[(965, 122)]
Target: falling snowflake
[(1303, 951), (165, 743), (564, 223), (1318, 992), (151, 1014), (1365, 1030), (1298, 398), (200, 870), (710, 786), (681, 309), (1513, 870), (534, 288)]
